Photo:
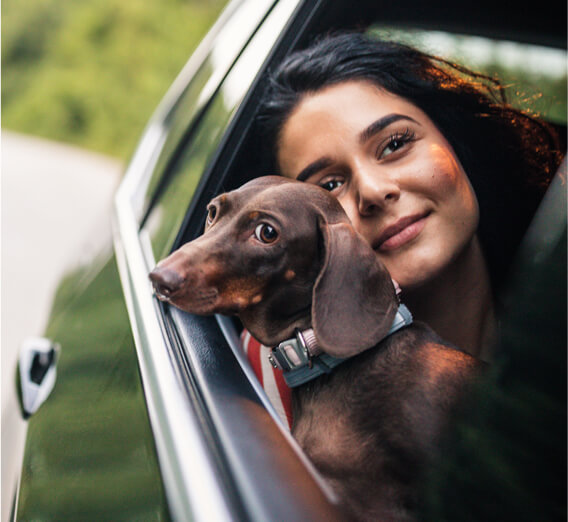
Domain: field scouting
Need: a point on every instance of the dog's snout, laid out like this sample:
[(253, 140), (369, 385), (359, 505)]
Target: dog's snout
[(166, 281)]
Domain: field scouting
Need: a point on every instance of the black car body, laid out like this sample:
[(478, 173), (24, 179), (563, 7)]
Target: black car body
[(155, 414)]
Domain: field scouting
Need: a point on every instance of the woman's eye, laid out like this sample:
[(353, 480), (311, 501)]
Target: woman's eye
[(396, 142), (211, 214), (331, 185), (393, 146), (265, 233)]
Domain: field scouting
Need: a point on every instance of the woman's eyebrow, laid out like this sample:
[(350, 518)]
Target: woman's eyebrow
[(380, 124), (314, 167), (367, 133)]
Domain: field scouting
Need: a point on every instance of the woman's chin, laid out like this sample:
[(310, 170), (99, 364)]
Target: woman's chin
[(415, 277)]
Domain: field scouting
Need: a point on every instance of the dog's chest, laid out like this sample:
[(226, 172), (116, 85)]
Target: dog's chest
[(327, 436), (346, 420), (332, 414)]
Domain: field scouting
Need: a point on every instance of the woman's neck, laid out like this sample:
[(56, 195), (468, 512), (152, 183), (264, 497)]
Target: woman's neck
[(458, 305)]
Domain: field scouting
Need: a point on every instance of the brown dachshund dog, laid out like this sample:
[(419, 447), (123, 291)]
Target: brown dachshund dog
[(283, 256)]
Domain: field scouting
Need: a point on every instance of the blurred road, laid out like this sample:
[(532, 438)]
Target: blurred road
[(56, 202)]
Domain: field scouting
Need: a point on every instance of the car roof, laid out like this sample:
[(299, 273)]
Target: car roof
[(540, 24)]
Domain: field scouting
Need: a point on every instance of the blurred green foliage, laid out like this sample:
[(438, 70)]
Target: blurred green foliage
[(91, 73)]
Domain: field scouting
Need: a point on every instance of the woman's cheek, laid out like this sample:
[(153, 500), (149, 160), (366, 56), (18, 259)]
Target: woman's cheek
[(446, 171), (450, 186)]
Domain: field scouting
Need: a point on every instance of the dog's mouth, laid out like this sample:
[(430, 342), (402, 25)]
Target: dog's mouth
[(201, 302), (162, 296)]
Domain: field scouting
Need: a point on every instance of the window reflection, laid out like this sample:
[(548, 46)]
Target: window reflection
[(205, 80), (166, 217)]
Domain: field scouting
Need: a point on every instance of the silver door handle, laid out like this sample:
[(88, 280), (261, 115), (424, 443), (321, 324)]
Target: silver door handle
[(37, 363)]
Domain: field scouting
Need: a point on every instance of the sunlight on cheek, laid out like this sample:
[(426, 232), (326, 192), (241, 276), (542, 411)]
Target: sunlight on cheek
[(449, 178), (447, 171)]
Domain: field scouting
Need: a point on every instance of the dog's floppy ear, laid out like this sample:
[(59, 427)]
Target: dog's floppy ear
[(354, 301)]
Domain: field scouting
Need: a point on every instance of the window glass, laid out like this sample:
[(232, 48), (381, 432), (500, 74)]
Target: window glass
[(534, 77), (193, 97), (187, 105), (167, 215)]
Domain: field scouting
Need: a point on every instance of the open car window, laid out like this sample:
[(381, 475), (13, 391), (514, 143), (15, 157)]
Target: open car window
[(208, 147)]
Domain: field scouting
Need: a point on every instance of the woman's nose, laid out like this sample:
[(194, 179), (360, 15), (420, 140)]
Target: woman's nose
[(374, 191)]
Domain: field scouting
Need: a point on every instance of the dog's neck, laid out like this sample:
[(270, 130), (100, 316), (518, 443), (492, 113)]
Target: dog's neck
[(302, 360)]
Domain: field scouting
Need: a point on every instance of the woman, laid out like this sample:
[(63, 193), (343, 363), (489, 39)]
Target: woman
[(432, 166)]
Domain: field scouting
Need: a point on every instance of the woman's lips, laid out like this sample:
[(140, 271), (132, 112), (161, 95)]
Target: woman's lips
[(403, 231)]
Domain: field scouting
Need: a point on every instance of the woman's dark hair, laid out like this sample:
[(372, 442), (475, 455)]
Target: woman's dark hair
[(508, 155)]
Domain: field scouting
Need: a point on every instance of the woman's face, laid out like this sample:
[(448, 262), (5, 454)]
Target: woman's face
[(394, 173)]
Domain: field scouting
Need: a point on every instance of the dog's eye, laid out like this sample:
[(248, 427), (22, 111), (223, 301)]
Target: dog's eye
[(265, 233), (211, 214)]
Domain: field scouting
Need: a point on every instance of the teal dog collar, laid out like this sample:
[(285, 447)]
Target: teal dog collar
[(301, 360)]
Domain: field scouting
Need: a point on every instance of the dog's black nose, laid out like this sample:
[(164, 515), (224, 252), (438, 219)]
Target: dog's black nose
[(166, 281)]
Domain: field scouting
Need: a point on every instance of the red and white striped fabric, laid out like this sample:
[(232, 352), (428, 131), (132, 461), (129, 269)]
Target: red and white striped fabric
[(270, 378)]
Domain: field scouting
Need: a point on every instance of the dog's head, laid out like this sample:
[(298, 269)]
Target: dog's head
[(283, 255)]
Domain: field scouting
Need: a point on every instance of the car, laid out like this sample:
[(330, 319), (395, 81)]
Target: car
[(139, 411)]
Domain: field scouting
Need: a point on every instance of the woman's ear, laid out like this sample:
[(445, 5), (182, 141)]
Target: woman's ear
[(354, 301)]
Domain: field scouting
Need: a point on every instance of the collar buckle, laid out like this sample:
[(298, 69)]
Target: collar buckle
[(291, 354)]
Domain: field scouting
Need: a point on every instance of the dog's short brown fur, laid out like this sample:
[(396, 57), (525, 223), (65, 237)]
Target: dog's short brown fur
[(371, 427)]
